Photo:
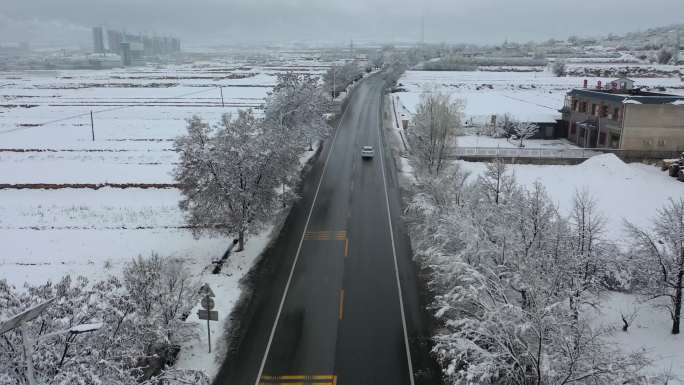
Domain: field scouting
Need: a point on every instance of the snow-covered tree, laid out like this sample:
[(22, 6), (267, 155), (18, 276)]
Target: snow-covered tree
[(491, 338), (497, 182), (436, 124), (229, 174), (558, 68), (297, 105), (510, 276), (377, 58), (664, 56), (129, 342), (658, 258), (524, 131), (339, 77)]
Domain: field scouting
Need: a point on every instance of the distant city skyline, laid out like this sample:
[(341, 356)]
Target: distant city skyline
[(206, 22)]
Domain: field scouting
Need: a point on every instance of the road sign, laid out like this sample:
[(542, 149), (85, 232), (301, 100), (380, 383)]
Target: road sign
[(206, 290), (208, 303), (209, 315), (206, 313)]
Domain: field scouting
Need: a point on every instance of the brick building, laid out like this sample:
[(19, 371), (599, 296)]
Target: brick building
[(623, 117)]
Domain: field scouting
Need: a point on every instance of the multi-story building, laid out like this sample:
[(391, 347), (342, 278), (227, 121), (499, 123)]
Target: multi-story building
[(98, 40), (622, 117), (114, 40)]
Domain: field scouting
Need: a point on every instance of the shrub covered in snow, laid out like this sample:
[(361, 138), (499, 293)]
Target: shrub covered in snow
[(139, 327)]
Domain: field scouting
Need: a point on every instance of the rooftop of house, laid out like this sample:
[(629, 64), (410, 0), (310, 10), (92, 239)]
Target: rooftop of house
[(635, 96)]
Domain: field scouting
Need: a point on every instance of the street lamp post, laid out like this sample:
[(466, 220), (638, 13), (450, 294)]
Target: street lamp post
[(19, 322)]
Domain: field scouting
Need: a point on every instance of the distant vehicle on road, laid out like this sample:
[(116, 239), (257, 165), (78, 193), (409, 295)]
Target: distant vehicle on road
[(367, 152)]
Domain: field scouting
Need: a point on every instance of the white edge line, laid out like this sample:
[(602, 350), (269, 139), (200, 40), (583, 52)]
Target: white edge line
[(394, 251), (299, 248)]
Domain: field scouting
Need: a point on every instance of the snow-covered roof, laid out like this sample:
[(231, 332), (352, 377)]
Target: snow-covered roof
[(622, 96), (631, 101)]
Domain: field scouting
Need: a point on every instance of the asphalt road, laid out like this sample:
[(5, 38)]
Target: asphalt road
[(336, 300)]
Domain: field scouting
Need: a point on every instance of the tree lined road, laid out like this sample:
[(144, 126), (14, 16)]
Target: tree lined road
[(328, 308)]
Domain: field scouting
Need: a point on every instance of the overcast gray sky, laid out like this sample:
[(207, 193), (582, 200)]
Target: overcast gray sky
[(212, 21)]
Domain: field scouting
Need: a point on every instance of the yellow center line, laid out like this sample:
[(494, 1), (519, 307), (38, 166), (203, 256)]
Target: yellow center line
[(323, 377), (341, 304), (317, 379), (328, 236)]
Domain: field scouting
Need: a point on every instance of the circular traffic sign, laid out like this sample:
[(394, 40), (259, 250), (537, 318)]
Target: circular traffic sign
[(208, 302)]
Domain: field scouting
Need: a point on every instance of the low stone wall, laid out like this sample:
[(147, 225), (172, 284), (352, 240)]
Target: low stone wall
[(642, 155)]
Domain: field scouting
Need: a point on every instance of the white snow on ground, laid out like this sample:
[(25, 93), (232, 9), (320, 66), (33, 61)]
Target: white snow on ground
[(623, 191), (137, 114), (649, 332), (526, 96)]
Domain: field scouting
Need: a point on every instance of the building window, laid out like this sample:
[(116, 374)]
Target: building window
[(583, 107), (574, 105), (573, 128), (602, 139), (614, 140), (594, 109), (661, 142), (616, 114), (604, 111)]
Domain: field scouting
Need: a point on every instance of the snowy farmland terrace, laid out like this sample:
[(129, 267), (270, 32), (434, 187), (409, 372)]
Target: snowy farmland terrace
[(62, 221), (525, 96)]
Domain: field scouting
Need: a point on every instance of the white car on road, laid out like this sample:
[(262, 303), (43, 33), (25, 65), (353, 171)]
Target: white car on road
[(367, 152)]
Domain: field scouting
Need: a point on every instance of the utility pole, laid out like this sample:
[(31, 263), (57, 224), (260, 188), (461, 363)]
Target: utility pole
[(18, 322), (333, 83), (422, 28), (92, 125), (221, 90), (678, 48), (28, 355)]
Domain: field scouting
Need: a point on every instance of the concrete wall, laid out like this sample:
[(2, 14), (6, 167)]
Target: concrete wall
[(607, 125), (653, 127)]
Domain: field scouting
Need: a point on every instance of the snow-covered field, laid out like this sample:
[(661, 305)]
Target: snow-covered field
[(649, 332), (46, 142), (526, 96), (57, 218), (623, 191)]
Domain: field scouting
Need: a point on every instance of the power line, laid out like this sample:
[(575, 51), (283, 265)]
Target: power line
[(103, 111)]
